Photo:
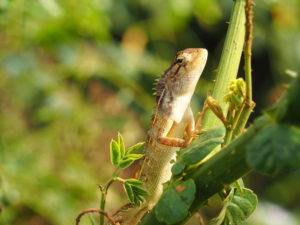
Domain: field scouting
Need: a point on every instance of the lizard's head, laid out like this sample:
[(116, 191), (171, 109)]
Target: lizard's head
[(186, 69), (190, 60), (183, 74)]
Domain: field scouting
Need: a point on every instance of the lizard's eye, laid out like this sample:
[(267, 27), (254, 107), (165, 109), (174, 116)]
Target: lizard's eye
[(180, 60)]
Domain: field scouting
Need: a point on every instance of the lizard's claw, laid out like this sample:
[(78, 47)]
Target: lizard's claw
[(197, 132)]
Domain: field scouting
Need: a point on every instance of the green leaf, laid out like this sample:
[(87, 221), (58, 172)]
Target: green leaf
[(217, 132), (175, 202), (134, 192), (286, 110), (197, 153), (239, 205), (121, 145), (199, 149), (134, 156), (178, 168), (115, 154), (134, 147), (135, 182), (138, 200), (125, 163), (129, 191), (210, 135), (275, 149), (128, 160), (139, 191)]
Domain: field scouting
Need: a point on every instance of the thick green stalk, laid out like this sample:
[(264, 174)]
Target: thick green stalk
[(229, 62), (225, 167)]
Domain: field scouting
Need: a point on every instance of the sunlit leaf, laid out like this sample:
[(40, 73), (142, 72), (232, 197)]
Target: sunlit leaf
[(115, 154), (135, 182), (128, 160), (125, 163), (121, 144), (134, 147), (134, 156)]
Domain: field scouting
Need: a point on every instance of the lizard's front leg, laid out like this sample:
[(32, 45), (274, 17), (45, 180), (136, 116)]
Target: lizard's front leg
[(166, 137)]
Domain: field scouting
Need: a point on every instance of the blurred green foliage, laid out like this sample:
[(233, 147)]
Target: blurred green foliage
[(73, 73)]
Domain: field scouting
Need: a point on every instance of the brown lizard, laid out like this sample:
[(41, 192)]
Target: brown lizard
[(172, 118)]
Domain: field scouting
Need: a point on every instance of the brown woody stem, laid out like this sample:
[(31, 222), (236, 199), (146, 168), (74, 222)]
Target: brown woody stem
[(101, 212)]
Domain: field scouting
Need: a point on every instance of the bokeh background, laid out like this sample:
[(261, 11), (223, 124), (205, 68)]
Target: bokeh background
[(74, 73)]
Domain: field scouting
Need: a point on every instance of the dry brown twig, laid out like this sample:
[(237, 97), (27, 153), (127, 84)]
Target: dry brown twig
[(111, 220)]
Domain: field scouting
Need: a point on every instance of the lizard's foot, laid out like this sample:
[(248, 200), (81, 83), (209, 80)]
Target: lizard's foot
[(197, 132), (173, 142)]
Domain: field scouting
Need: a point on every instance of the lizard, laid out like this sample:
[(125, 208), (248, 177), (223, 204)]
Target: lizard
[(172, 119)]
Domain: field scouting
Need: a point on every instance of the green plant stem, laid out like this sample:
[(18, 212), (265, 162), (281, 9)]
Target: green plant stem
[(229, 62), (229, 126), (244, 112), (249, 104), (243, 119), (103, 199), (248, 50), (234, 121), (228, 133), (104, 193), (220, 170)]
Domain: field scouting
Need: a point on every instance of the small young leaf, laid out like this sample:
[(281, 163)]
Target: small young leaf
[(275, 149), (128, 160), (139, 191), (174, 204), (134, 156), (125, 163), (134, 192), (138, 200), (134, 147), (135, 182), (115, 154), (129, 191), (236, 92), (239, 205), (121, 145)]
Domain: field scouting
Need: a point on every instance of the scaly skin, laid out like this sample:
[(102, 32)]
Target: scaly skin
[(172, 118)]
